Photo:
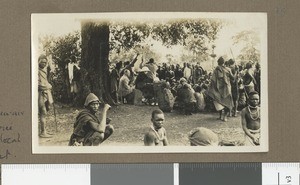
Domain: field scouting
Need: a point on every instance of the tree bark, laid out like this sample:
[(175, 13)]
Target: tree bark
[(94, 64)]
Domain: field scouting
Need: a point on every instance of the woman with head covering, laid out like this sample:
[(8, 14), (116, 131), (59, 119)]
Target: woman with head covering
[(220, 89)]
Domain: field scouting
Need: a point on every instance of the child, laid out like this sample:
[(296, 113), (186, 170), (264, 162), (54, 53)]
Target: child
[(251, 120), (156, 136)]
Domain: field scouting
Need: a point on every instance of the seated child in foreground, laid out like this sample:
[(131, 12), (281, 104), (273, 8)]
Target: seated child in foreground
[(251, 120), (156, 136)]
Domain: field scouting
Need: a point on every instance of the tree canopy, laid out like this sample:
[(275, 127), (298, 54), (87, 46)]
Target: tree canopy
[(194, 34), (250, 42)]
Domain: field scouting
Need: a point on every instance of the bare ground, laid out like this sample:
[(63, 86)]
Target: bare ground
[(131, 122)]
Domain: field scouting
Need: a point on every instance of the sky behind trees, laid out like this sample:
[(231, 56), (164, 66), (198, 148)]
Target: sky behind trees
[(62, 24)]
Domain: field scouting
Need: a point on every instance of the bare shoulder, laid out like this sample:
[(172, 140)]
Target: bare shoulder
[(149, 133), (164, 130), (244, 111)]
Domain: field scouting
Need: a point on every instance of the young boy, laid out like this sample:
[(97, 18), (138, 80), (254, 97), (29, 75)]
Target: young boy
[(251, 120), (156, 136), (89, 129)]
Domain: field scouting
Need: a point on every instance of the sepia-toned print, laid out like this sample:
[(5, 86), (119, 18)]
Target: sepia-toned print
[(149, 82)]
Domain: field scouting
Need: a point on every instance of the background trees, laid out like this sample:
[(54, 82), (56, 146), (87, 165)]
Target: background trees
[(250, 43), (58, 50), (101, 41), (100, 38)]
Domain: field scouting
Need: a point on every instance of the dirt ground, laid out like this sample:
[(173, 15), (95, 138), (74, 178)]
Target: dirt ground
[(131, 122)]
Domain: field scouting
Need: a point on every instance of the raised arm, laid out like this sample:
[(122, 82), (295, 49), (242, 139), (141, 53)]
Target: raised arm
[(100, 127), (133, 60), (142, 63)]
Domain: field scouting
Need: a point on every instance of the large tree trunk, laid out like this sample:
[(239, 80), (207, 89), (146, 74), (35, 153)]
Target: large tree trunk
[(94, 61)]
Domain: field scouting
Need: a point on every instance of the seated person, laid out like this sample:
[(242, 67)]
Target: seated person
[(156, 136), (186, 95), (165, 97), (145, 84), (90, 128), (125, 89), (199, 95), (201, 136), (251, 120)]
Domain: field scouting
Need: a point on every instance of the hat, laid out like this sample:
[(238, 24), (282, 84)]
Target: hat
[(91, 98), (203, 137), (182, 80), (144, 69)]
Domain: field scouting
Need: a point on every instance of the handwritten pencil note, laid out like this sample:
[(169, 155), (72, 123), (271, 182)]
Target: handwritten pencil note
[(9, 135)]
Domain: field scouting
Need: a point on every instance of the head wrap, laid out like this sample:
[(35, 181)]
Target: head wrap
[(91, 98), (144, 69), (42, 57)]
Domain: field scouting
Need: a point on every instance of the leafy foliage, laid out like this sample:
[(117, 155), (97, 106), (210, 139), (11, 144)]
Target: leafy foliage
[(125, 39), (250, 42), (194, 34), (60, 49)]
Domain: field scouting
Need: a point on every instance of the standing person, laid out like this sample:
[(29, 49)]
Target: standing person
[(187, 72), (74, 76), (251, 120), (178, 72), (90, 128), (157, 135), (234, 86), (197, 74), (220, 89), (114, 83), (257, 77), (45, 98), (169, 74), (248, 79)]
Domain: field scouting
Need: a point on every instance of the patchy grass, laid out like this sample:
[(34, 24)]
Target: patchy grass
[(131, 122)]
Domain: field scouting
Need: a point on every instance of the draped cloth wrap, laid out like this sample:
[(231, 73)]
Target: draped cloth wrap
[(201, 136), (220, 88), (82, 131)]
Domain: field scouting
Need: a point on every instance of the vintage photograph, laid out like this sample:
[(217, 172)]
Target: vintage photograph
[(149, 82)]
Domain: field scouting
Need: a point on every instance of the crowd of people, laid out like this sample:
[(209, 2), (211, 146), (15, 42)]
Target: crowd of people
[(189, 87), (229, 88)]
